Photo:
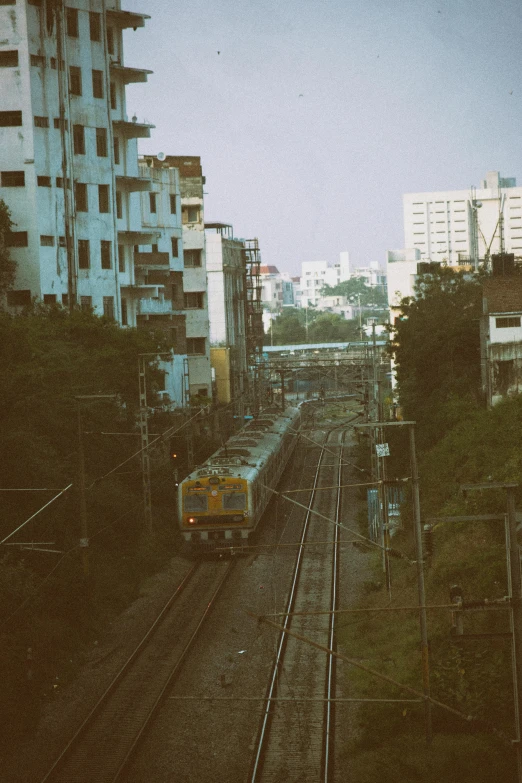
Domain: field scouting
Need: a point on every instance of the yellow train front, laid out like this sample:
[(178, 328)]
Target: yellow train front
[(221, 502)]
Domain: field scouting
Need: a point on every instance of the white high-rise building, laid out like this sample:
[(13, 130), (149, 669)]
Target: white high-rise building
[(68, 154), (316, 274), (465, 226)]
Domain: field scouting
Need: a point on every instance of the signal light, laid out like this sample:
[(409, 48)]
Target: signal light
[(192, 520)]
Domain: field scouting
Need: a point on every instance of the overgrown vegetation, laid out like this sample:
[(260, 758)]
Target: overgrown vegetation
[(7, 264), (49, 357), (459, 441), (295, 326)]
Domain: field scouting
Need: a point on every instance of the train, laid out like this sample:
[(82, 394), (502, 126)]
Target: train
[(222, 501)]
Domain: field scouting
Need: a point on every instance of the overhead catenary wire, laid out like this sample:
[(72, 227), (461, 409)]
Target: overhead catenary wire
[(36, 513), (378, 675), (364, 539)]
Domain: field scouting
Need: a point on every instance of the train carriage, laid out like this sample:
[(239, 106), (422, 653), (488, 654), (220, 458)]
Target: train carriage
[(222, 501)]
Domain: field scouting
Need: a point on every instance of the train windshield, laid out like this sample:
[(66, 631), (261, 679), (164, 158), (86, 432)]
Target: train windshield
[(196, 503), (234, 501)]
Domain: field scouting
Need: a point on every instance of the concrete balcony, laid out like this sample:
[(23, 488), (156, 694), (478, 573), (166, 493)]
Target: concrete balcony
[(152, 260), (133, 130), (132, 184), (128, 75), (125, 19), (138, 237), (156, 307)]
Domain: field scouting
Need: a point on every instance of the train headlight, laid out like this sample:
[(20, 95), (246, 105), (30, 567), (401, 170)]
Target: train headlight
[(192, 520)]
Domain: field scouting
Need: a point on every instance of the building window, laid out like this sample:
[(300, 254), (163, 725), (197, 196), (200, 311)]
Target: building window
[(86, 302), (7, 2), (101, 142), (81, 197), (121, 258), (37, 60), (20, 298), (193, 299), (172, 203), (103, 198), (12, 179), (108, 306), (190, 214), (79, 139), (60, 123), (41, 122), (95, 26), (16, 239), (110, 40), (174, 243), (84, 256), (72, 22), (114, 105), (124, 313), (9, 58), (116, 145), (59, 183), (65, 300), (46, 240), (10, 119), (507, 322), (75, 80), (192, 258), (61, 241), (154, 247), (119, 206), (195, 346), (97, 84), (54, 63), (105, 250), (152, 202), (49, 299)]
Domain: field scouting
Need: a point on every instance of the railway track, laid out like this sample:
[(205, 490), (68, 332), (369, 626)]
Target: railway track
[(296, 736), (109, 736)]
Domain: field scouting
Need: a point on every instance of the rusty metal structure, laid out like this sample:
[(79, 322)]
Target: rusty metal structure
[(254, 308)]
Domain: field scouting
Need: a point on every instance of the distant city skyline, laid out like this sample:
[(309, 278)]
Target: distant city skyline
[(313, 119)]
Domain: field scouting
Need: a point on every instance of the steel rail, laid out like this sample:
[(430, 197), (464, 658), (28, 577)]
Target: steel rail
[(174, 673), (75, 742), (281, 645), (329, 718)]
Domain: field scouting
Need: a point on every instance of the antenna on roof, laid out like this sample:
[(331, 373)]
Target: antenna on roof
[(161, 156)]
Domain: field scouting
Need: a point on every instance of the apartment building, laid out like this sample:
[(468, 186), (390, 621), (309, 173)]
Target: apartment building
[(184, 239), (68, 154), (466, 226), (271, 288), (227, 298), (316, 274)]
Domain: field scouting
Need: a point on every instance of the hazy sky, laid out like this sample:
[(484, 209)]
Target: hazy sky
[(313, 117)]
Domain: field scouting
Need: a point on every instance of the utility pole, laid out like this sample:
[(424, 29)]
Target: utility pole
[(420, 566), (515, 596), (84, 523), (84, 540), (144, 432)]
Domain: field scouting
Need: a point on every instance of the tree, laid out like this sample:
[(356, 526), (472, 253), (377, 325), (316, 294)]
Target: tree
[(436, 347), (287, 329), (356, 290), (7, 264), (332, 328)]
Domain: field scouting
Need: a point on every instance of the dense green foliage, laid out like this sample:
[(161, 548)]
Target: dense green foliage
[(437, 350), (459, 441), (295, 326), (7, 264), (48, 357), (358, 292)]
